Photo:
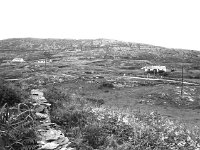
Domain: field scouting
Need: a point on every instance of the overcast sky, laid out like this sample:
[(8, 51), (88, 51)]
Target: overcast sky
[(168, 23)]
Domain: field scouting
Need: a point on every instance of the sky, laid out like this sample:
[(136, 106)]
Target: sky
[(167, 23)]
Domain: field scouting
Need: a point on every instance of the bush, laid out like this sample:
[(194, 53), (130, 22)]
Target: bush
[(17, 130), (10, 95), (69, 119), (56, 98), (66, 111), (102, 128), (106, 85), (97, 102), (94, 136)]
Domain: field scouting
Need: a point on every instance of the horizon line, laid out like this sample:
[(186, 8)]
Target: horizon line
[(99, 39)]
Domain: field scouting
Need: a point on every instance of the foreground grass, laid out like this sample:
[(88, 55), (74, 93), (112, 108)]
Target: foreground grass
[(93, 127), (107, 128)]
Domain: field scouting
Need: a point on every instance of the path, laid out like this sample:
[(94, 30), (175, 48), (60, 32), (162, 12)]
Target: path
[(152, 79)]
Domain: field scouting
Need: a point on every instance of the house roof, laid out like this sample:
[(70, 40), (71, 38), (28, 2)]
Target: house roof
[(18, 59), (154, 67)]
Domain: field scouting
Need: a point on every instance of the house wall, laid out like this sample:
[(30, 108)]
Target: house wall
[(152, 68)]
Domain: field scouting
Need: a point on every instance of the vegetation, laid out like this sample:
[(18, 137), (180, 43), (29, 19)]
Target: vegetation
[(85, 120), (17, 120), (10, 94), (108, 128), (106, 85), (89, 127), (17, 128)]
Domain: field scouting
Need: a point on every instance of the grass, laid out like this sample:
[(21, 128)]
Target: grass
[(17, 127), (110, 128), (90, 127), (136, 98)]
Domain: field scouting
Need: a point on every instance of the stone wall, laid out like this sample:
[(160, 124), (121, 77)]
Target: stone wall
[(51, 138)]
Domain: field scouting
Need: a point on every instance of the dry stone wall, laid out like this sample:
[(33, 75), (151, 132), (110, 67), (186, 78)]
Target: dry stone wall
[(51, 138)]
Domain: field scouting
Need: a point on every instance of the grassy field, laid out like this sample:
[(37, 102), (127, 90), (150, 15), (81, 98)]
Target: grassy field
[(81, 71), (163, 98), (110, 74)]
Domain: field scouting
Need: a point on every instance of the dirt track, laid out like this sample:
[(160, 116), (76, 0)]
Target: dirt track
[(156, 79)]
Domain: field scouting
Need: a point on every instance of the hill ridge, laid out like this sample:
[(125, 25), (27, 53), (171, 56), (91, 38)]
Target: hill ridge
[(110, 48)]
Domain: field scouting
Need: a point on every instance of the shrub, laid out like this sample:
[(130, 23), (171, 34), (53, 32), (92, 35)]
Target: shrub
[(94, 136), (106, 85), (105, 128), (69, 119), (56, 98), (97, 102), (17, 130), (145, 131), (66, 111), (10, 95)]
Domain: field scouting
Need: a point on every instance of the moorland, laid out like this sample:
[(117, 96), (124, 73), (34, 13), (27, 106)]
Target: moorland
[(108, 73)]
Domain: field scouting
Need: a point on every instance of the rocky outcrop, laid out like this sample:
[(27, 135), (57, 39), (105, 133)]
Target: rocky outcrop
[(51, 138)]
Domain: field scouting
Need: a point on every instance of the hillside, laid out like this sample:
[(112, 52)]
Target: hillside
[(91, 79), (108, 70), (112, 48)]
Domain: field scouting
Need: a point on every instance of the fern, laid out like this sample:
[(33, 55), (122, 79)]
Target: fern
[(18, 130), (30, 147)]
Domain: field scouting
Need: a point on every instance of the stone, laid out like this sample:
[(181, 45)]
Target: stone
[(42, 116), (51, 145), (51, 135), (46, 104), (48, 125), (37, 92), (63, 141), (39, 108), (63, 146), (70, 148)]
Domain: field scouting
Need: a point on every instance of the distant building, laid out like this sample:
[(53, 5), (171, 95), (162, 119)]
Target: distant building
[(154, 69), (6, 61), (20, 60), (42, 61)]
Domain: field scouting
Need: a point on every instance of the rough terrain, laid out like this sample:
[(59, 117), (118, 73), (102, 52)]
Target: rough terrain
[(109, 70), (49, 134)]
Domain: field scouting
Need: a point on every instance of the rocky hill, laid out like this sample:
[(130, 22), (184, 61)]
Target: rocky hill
[(108, 48), (103, 53)]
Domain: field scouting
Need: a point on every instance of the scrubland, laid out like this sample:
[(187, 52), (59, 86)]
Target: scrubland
[(100, 97)]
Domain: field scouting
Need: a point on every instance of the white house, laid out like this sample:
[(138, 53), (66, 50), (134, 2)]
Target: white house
[(154, 68), (18, 60), (42, 61)]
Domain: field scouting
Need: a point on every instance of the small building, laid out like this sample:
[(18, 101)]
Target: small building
[(6, 61), (42, 61), (154, 69), (20, 60)]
